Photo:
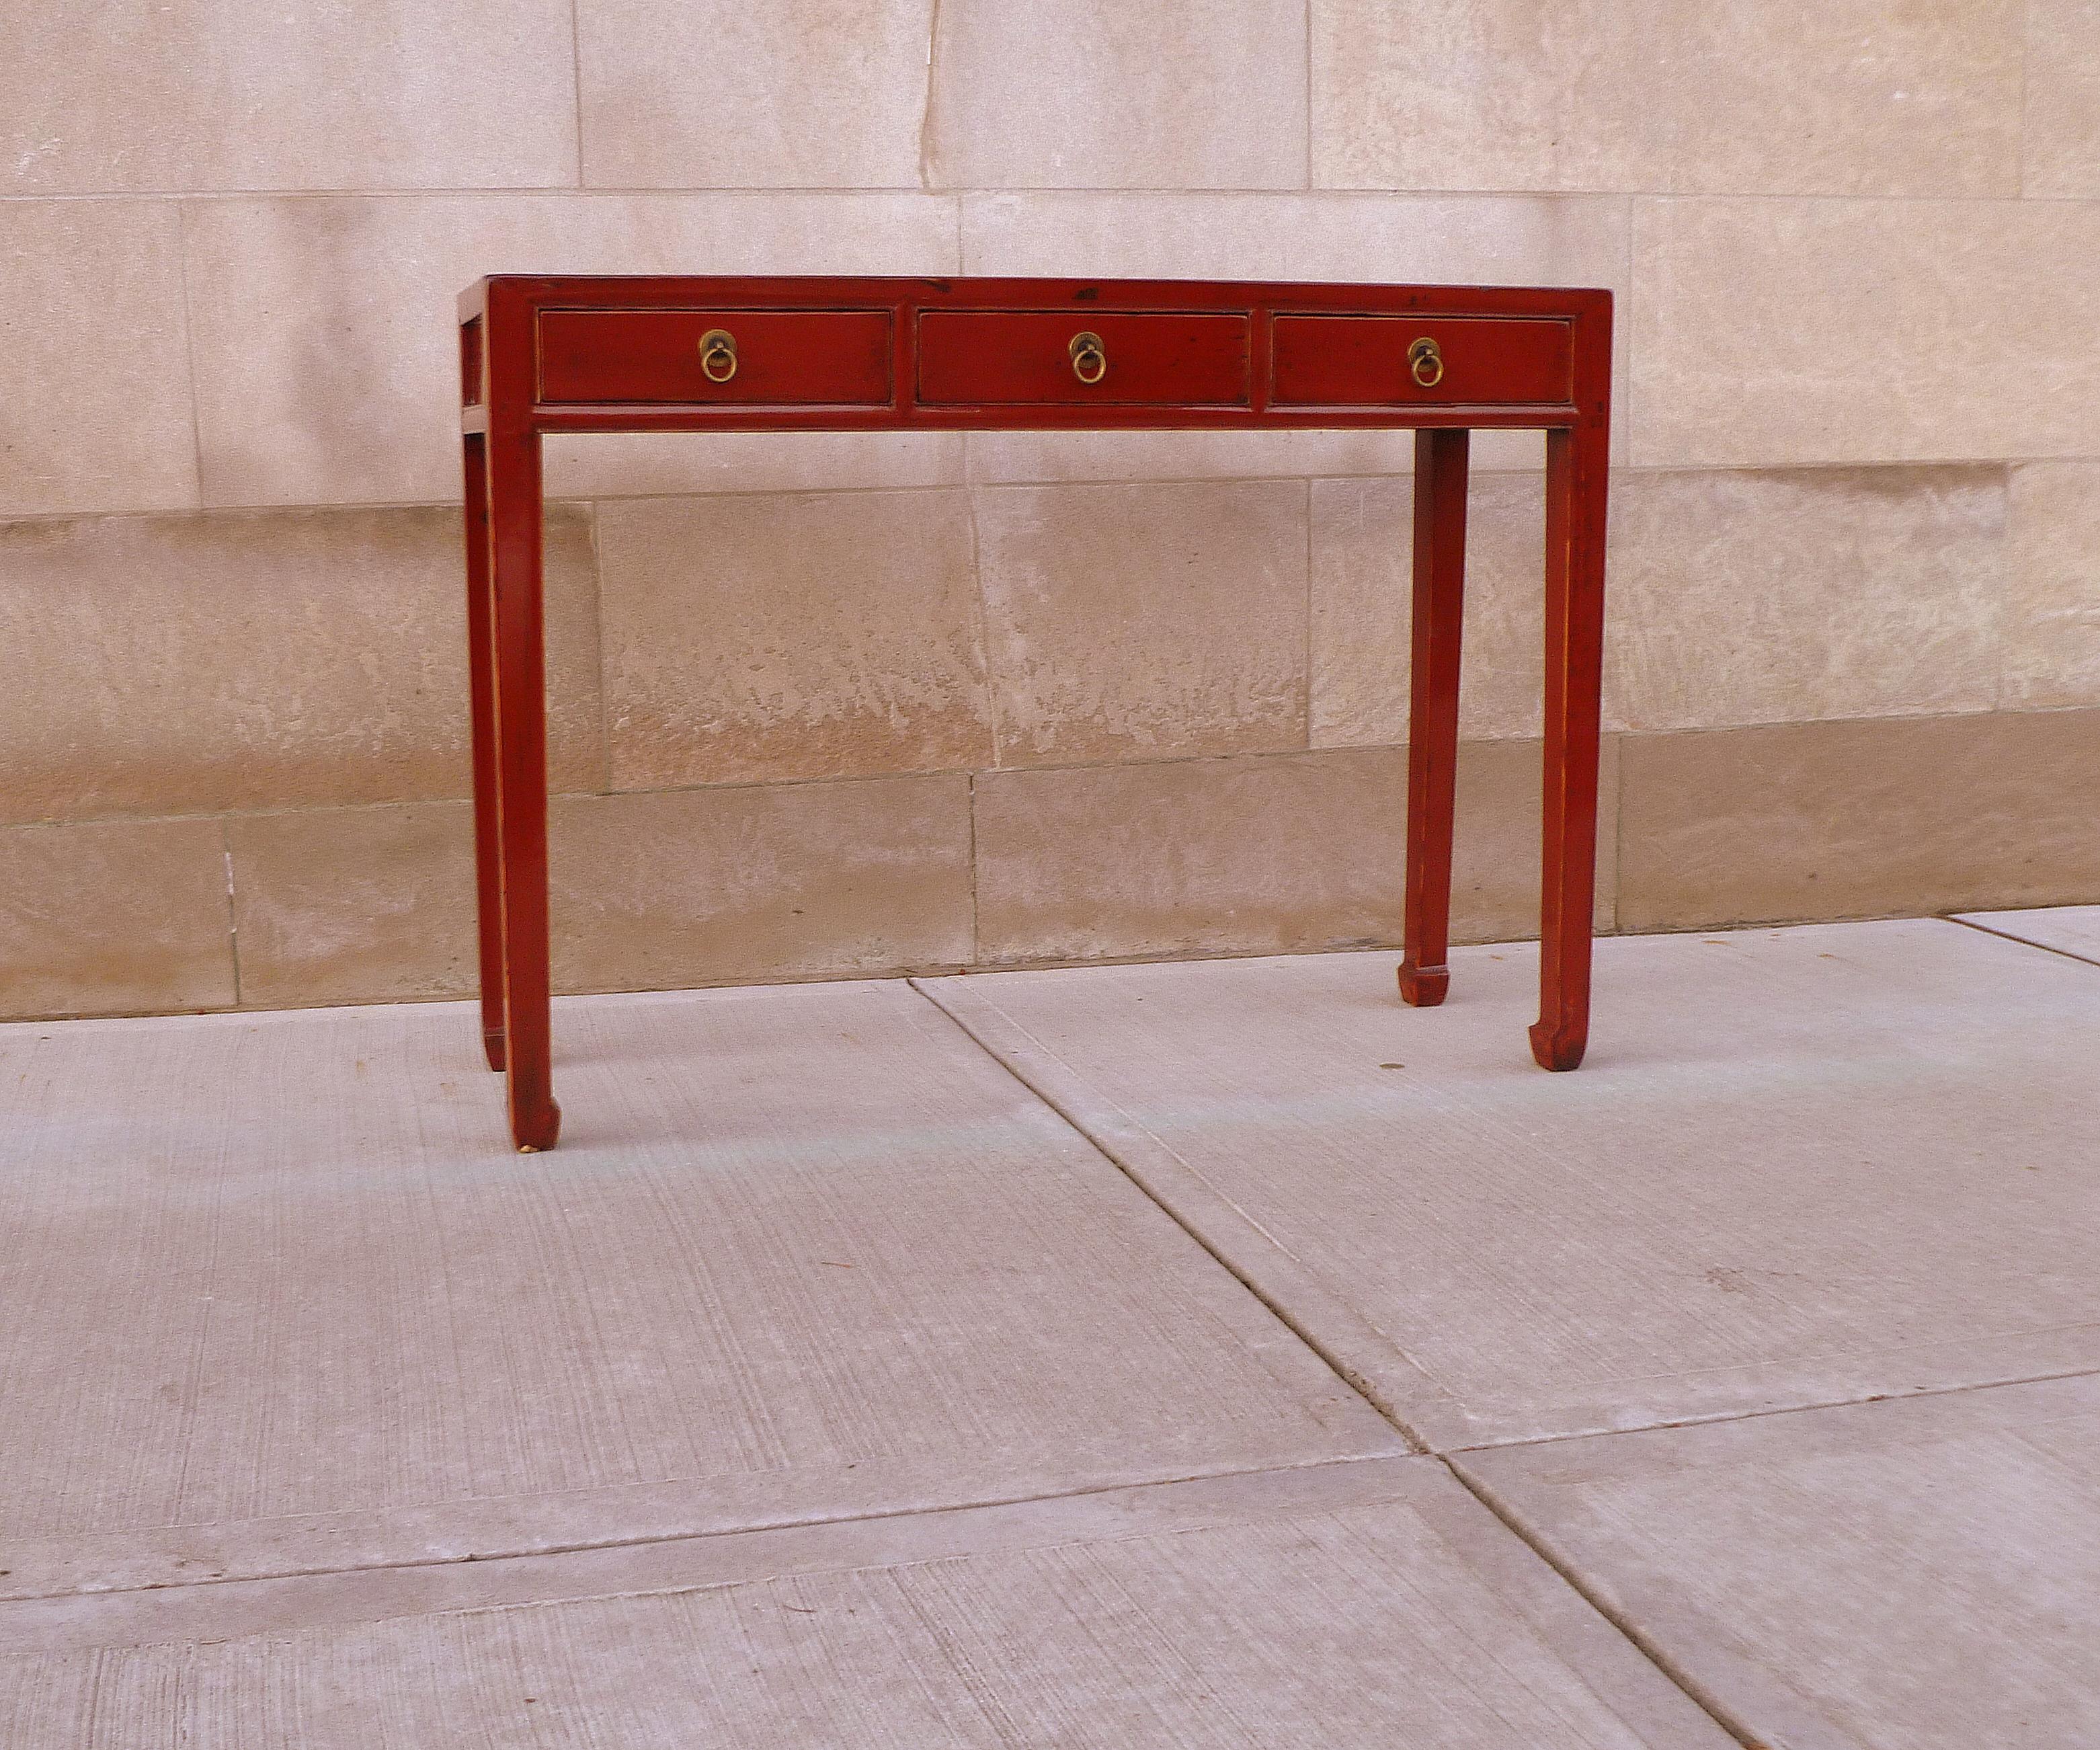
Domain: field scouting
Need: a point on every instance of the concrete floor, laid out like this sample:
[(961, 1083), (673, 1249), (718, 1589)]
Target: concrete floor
[(1207, 1354)]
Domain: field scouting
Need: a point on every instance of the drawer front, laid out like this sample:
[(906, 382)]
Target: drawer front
[(1364, 361), (1027, 357), (775, 358)]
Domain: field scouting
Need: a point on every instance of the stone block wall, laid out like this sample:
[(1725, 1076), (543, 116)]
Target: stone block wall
[(829, 705)]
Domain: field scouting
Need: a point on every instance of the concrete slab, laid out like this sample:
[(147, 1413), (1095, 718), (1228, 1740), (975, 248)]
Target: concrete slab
[(1375, 1603), (1883, 1576), (280, 1299), (1800, 1165), (2072, 930)]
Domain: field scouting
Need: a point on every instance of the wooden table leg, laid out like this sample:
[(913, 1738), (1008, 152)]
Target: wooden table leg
[(1433, 716), (480, 690), (514, 517), (1578, 477)]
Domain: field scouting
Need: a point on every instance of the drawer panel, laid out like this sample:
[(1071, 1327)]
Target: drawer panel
[(1021, 357), (826, 357), (1363, 361)]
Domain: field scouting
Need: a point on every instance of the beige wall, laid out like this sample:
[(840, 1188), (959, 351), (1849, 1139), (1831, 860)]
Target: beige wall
[(834, 704)]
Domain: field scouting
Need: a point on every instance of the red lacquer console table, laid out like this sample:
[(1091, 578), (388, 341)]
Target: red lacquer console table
[(707, 354)]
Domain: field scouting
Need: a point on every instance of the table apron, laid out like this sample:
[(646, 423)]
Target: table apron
[(1027, 417)]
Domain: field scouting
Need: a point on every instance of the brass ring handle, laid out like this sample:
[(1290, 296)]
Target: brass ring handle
[(1090, 359), (718, 354), (1425, 361)]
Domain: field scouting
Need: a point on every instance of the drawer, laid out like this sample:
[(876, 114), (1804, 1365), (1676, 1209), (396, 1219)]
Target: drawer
[(1364, 361), (1019, 357), (774, 358)]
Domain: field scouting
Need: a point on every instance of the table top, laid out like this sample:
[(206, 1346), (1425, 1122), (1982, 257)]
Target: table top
[(658, 290)]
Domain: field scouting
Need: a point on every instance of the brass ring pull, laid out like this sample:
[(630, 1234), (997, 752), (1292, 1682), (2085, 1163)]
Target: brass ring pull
[(718, 354), (1426, 361), (1090, 359)]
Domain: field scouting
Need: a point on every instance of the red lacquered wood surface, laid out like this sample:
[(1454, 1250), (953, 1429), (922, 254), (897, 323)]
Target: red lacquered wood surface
[(481, 698), (836, 358), (1578, 472), (1003, 356), (576, 353), (1432, 717), (1362, 361)]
